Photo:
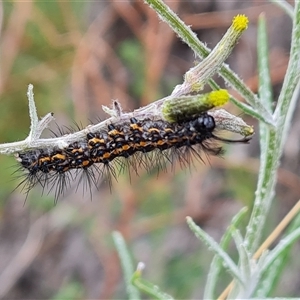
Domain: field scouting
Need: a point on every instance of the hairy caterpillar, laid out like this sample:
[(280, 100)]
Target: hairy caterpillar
[(124, 144)]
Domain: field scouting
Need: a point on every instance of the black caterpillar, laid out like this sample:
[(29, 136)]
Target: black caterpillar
[(125, 144)]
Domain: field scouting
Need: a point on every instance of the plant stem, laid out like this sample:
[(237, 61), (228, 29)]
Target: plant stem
[(127, 265), (288, 8), (275, 141), (190, 38)]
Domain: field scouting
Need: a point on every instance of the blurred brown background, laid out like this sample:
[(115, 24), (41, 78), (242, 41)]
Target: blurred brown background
[(79, 56)]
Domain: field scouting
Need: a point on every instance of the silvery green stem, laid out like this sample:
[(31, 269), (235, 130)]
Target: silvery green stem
[(190, 38), (153, 111), (274, 140), (288, 8), (127, 265)]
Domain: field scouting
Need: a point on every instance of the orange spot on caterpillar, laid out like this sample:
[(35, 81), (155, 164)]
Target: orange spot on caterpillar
[(125, 147), (136, 127), (58, 156), (44, 160), (85, 163), (115, 132), (153, 130)]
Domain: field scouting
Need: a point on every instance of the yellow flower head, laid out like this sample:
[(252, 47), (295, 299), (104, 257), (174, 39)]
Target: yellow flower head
[(240, 22)]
